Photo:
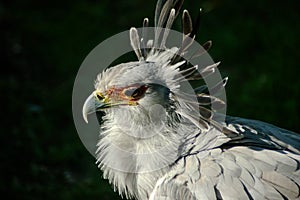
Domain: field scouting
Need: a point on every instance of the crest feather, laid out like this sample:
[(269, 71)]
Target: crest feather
[(155, 50)]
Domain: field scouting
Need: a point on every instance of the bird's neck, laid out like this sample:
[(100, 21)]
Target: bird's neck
[(134, 164)]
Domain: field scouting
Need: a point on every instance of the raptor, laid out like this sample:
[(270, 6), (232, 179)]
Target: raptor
[(158, 141)]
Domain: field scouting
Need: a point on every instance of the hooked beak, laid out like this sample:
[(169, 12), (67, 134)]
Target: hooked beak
[(92, 104)]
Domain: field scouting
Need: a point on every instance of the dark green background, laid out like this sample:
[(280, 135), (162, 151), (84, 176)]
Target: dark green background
[(43, 43)]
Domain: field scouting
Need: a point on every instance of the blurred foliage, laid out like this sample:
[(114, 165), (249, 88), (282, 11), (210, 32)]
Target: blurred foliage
[(43, 43)]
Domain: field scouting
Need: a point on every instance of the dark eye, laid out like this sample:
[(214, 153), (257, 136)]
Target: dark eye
[(132, 92), (135, 92)]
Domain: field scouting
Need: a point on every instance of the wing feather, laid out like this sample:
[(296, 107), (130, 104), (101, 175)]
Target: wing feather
[(237, 173)]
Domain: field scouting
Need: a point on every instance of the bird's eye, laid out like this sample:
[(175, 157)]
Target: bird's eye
[(132, 92), (135, 92)]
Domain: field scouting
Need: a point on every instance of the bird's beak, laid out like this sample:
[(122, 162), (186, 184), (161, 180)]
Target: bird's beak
[(93, 104)]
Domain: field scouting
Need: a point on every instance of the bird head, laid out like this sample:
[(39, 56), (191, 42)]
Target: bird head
[(138, 95)]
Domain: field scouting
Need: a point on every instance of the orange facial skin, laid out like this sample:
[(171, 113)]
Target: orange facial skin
[(134, 93)]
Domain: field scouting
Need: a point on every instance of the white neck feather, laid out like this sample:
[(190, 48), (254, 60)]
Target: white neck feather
[(133, 159)]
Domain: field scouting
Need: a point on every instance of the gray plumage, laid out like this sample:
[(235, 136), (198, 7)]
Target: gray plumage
[(200, 157)]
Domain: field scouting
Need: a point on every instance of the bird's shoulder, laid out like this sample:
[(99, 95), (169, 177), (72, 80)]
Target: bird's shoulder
[(261, 134), (251, 174), (260, 162)]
